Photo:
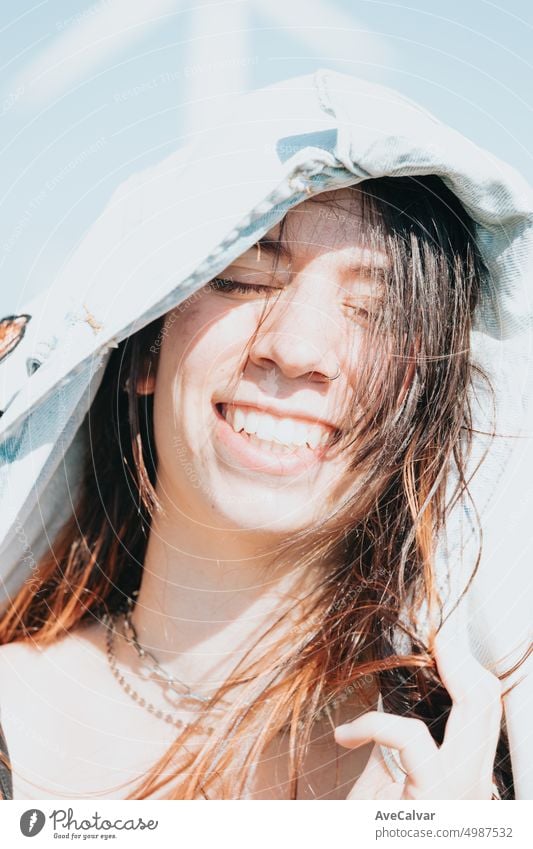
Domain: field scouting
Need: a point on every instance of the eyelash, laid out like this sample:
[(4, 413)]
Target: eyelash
[(223, 284)]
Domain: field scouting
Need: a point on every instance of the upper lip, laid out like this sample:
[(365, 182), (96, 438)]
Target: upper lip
[(281, 412)]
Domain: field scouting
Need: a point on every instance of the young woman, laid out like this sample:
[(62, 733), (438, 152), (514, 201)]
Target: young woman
[(246, 600)]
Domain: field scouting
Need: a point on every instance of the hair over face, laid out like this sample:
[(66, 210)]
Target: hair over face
[(406, 435)]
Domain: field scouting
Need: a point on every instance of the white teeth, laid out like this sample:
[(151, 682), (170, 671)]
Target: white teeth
[(288, 431), (314, 437), (264, 429), (274, 447), (271, 429), (238, 423), (251, 421), (300, 432)]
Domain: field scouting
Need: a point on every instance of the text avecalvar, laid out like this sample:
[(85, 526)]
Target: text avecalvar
[(404, 815)]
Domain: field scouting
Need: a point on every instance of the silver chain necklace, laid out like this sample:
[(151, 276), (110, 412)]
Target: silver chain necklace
[(159, 713), (176, 684), (179, 687)]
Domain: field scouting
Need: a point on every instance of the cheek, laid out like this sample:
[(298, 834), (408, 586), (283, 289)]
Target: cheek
[(181, 327), (200, 354), (202, 344), (212, 335)]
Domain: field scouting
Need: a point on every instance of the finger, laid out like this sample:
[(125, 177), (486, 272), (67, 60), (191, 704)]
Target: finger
[(462, 674), (376, 781), (410, 736), (473, 726), (457, 666)]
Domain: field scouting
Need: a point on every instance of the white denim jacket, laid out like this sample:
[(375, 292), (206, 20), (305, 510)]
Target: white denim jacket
[(170, 228)]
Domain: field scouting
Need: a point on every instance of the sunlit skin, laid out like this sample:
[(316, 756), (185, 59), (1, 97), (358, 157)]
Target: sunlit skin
[(314, 328), (209, 582), (461, 768), (211, 585)]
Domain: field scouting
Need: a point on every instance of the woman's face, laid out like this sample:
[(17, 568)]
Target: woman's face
[(252, 457)]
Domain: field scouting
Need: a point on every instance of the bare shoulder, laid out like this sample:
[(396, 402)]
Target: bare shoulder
[(39, 699), (18, 666), (25, 662), (41, 683), (16, 661), (70, 729)]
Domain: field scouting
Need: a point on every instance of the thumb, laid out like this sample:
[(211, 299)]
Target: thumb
[(375, 781)]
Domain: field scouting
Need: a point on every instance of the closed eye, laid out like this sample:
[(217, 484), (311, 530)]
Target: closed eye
[(364, 314), (361, 313), (224, 284)]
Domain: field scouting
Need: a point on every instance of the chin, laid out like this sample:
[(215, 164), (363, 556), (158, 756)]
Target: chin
[(262, 511)]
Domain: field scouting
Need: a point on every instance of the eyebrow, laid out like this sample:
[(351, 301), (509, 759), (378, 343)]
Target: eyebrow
[(273, 247)]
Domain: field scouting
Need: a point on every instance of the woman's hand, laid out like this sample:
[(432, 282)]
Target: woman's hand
[(461, 768)]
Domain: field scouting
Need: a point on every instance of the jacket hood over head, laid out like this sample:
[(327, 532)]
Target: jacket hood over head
[(169, 229)]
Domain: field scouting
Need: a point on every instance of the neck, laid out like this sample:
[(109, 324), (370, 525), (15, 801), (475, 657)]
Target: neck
[(207, 596)]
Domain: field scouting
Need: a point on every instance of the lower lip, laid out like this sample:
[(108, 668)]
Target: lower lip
[(237, 448)]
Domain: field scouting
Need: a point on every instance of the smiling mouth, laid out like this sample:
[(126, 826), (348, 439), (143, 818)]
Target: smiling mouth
[(275, 434)]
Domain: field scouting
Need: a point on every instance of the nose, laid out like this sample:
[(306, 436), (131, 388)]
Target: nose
[(298, 337)]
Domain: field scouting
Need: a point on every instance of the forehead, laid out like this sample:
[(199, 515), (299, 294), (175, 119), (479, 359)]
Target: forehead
[(330, 226), (331, 219)]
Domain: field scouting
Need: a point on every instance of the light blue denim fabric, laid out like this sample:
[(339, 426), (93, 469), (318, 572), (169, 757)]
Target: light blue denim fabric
[(169, 229)]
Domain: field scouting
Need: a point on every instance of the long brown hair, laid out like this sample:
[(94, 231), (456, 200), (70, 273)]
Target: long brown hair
[(404, 450)]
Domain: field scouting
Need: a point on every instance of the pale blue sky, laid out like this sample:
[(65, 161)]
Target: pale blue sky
[(93, 90)]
